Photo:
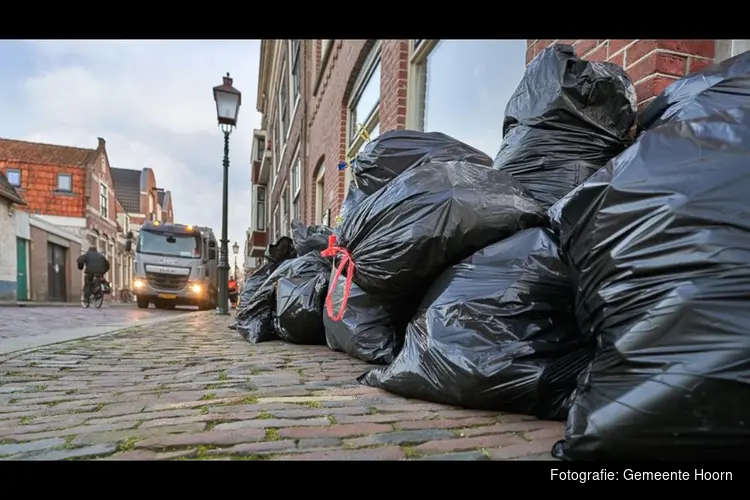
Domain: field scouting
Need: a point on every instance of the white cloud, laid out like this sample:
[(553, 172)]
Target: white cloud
[(152, 102)]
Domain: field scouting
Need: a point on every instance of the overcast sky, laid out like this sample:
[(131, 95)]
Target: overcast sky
[(151, 101)]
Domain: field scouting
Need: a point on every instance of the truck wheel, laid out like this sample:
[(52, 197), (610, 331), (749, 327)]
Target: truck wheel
[(142, 303)]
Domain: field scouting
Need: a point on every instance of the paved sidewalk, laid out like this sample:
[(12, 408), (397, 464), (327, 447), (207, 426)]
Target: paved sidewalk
[(193, 389)]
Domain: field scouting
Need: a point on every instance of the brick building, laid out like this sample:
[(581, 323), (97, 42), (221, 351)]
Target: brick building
[(459, 87), (140, 198), (70, 188)]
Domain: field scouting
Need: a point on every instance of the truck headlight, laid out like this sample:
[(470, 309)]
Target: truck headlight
[(138, 284), (196, 288)]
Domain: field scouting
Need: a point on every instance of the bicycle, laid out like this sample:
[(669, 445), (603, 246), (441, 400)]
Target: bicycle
[(100, 288)]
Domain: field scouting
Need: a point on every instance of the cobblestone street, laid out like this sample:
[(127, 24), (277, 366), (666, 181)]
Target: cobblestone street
[(193, 389), (25, 327)]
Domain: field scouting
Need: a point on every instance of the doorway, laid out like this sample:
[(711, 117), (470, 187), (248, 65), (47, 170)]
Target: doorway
[(56, 271), (22, 291)]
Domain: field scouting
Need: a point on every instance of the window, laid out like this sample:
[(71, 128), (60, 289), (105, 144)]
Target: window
[(65, 183), (283, 105), (730, 48), (294, 58), (103, 201), (14, 177), (468, 107), (276, 155), (363, 109), (320, 195), (260, 208), (296, 187), (260, 144)]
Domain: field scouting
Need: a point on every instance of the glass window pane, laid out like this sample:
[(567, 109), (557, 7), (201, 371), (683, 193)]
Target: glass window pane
[(468, 86), (368, 99)]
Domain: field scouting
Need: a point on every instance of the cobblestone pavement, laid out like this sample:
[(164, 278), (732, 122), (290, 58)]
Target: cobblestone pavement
[(193, 389), (22, 327)]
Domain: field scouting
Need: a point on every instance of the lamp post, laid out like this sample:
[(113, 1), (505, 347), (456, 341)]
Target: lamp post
[(228, 100), (236, 250)]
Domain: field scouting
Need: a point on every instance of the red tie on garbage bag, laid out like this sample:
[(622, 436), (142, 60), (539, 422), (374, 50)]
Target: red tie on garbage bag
[(346, 260)]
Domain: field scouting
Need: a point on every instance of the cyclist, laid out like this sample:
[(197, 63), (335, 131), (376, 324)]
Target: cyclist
[(94, 265)]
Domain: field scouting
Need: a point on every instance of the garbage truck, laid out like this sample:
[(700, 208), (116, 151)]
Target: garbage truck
[(174, 264)]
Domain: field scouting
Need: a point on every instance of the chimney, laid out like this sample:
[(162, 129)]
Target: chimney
[(102, 142)]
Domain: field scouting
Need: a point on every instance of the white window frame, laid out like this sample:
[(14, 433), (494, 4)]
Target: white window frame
[(295, 174), (17, 172), (294, 94), (103, 200), (354, 144), (320, 193), (284, 128), (261, 222), (61, 176), (416, 82)]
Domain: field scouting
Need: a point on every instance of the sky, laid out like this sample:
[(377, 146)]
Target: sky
[(152, 102)]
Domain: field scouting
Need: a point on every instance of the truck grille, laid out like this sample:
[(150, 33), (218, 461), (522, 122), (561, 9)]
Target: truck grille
[(167, 281)]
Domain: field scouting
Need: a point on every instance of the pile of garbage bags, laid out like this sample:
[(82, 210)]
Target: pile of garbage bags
[(594, 272)]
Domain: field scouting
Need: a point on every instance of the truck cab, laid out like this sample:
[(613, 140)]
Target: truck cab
[(175, 264)]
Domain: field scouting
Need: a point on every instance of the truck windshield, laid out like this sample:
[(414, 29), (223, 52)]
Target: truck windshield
[(178, 245)]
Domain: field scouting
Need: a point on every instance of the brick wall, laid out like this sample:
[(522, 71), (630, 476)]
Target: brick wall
[(149, 193), (8, 265), (651, 64), (327, 121), (101, 175), (293, 137), (39, 189)]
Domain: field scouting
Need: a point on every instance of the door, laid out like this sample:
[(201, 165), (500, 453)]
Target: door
[(22, 291), (56, 257)]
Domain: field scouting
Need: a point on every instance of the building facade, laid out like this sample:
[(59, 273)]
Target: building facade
[(69, 188), (343, 91), (10, 275)]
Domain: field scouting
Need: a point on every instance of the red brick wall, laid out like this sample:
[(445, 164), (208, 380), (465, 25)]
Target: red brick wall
[(150, 187), (102, 175), (651, 64), (328, 111), (39, 189)]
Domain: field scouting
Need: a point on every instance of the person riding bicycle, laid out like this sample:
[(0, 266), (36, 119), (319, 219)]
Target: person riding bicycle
[(93, 264)]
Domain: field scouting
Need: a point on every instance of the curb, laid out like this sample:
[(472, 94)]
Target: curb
[(13, 303), (7, 356)]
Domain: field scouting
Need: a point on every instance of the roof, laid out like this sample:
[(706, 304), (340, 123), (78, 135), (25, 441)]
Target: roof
[(8, 192), (46, 154), (127, 188)]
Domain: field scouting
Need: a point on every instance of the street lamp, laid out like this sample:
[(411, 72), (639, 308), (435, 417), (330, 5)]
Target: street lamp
[(228, 100), (236, 250)]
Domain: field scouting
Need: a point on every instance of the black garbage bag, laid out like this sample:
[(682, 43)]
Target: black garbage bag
[(255, 321), (716, 88), (427, 219), (662, 256), (300, 297), (495, 332), (371, 328), (393, 152), (309, 238), (282, 250), (251, 285), (354, 197), (567, 119)]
